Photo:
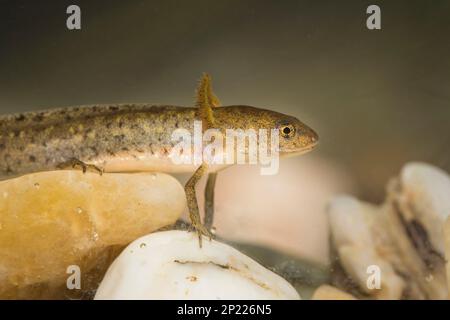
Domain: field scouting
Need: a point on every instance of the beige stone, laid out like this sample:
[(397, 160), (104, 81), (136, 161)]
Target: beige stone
[(51, 220), (327, 292)]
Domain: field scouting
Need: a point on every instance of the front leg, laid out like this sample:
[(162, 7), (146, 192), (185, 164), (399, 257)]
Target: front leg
[(191, 198), (206, 100), (209, 200)]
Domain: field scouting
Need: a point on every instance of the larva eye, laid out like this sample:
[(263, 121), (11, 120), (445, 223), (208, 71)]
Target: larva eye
[(287, 130)]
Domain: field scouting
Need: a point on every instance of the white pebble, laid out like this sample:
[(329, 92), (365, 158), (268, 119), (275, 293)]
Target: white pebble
[(170, 265)]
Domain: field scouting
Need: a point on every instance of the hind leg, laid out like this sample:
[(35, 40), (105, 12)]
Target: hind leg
[(74, 163)]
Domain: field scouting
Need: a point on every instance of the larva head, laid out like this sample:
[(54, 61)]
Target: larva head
[(295, 137)]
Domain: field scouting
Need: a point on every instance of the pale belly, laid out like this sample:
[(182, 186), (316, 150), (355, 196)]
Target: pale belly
[(148, 163)]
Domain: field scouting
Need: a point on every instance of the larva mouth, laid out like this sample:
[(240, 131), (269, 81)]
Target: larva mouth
[(297, 152)]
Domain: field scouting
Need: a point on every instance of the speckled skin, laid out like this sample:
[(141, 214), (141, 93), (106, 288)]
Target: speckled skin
[(121, 138)]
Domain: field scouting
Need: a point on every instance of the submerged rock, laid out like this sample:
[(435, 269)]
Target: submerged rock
[(52, 220), (170, 265), (404, 237), (357, 243)]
